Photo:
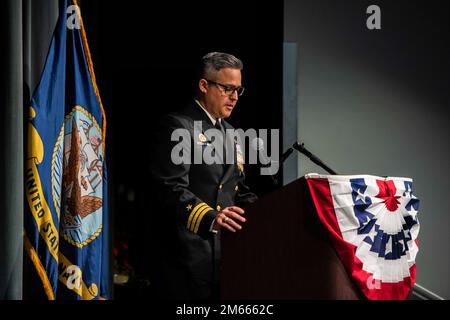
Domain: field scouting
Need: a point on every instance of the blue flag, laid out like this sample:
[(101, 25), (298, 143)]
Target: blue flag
[(66, 226)]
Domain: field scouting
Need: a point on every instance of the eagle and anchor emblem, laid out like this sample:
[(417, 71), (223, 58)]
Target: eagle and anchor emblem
[(79, 153)]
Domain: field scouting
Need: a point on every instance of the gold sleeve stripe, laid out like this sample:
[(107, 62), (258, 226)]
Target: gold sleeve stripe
[(197, 225), (197, 218), (200, 205)]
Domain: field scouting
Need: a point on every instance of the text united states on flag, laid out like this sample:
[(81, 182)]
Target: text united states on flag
[(373, 225)]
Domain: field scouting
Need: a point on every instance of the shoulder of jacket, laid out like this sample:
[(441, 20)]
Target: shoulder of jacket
[(179, 119), (227, 125)]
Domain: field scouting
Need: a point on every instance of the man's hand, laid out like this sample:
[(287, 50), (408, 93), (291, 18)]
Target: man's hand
[(228, 218)]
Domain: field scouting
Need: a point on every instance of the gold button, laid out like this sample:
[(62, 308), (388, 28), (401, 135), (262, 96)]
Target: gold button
[(220, 187), (218, 208)]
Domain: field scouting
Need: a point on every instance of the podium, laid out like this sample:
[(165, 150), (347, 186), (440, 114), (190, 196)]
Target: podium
[(283, 253)]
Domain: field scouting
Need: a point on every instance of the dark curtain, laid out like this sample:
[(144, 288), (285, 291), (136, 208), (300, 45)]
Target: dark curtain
[(25, 34), (11, 150)]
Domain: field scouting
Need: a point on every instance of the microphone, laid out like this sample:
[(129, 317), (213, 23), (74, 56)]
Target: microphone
[(300, 147), (286, 155), (258, 144)]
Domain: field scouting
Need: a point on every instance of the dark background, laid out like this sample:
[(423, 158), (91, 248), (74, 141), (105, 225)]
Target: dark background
[(144, 55)]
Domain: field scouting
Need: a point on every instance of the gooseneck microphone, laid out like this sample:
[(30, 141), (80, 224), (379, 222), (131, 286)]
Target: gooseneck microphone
[(300, 147), (286, 155)]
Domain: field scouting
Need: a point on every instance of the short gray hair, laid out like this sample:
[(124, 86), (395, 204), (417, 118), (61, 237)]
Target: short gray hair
[(214, 61)]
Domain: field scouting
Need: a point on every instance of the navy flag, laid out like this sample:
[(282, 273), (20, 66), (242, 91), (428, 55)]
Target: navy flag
[(66, 226)]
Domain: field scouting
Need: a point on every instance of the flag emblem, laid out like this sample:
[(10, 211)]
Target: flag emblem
[(81, 182)]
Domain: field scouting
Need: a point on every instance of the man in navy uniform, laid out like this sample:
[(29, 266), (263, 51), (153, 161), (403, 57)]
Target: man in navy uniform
[(197, 200)]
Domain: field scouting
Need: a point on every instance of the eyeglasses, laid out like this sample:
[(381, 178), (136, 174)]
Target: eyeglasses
[(228, 90)]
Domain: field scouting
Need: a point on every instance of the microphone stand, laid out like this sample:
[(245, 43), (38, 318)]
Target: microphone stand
[(286, 155), (301, 148)]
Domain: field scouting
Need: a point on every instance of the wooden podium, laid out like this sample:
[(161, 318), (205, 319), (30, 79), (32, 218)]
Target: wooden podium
[(283, 252)]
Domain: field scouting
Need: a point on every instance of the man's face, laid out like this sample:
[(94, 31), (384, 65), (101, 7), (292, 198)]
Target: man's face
[(219, 104)]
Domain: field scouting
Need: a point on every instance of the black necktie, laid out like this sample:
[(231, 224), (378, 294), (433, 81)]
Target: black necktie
[(219, 126)]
